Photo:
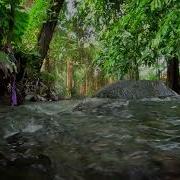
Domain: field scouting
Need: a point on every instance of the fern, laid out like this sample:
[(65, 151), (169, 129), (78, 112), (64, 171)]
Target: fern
[(6, 65)]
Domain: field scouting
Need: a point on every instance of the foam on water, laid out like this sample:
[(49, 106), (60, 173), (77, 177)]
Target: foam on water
[(31, 128)]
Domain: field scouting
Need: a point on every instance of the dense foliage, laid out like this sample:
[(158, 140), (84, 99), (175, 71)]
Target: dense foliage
[(103, 40), (13, 21), (149, 29)]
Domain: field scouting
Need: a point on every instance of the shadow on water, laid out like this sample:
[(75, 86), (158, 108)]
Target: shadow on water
[(96, 140)]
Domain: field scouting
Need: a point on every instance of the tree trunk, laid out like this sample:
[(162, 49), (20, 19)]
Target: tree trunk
[(47, 30), (173, 78), (69, 77), (134, 71)]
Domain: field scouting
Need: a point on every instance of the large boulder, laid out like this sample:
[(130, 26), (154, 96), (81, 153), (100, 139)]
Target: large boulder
[(131, 89)]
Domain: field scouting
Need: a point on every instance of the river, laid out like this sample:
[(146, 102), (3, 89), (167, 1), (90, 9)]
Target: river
[(112, 140)]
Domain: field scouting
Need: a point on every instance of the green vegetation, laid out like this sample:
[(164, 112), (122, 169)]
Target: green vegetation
[(147, 31), (72, 48)]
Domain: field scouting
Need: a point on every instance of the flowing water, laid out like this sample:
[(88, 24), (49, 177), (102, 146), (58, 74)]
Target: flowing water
[(112, 140)]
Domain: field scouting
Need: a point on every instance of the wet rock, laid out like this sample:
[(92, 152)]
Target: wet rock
[(35, 98), (14, 138), (3, 160), (169, 167), (22, 143), (133, 173), (26, 167), (101, 106), (131, 89), (29, 97), (22, 160), (90, 104), (38, 98)]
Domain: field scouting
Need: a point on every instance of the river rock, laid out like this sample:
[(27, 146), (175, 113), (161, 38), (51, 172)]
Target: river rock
[(100, 105), (25, 167), (131, 89), (19, 162)]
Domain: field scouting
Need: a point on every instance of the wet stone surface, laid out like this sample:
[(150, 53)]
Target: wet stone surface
[(91, 140)]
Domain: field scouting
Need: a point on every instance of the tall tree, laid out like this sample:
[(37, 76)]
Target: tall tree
[(47, 30)]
